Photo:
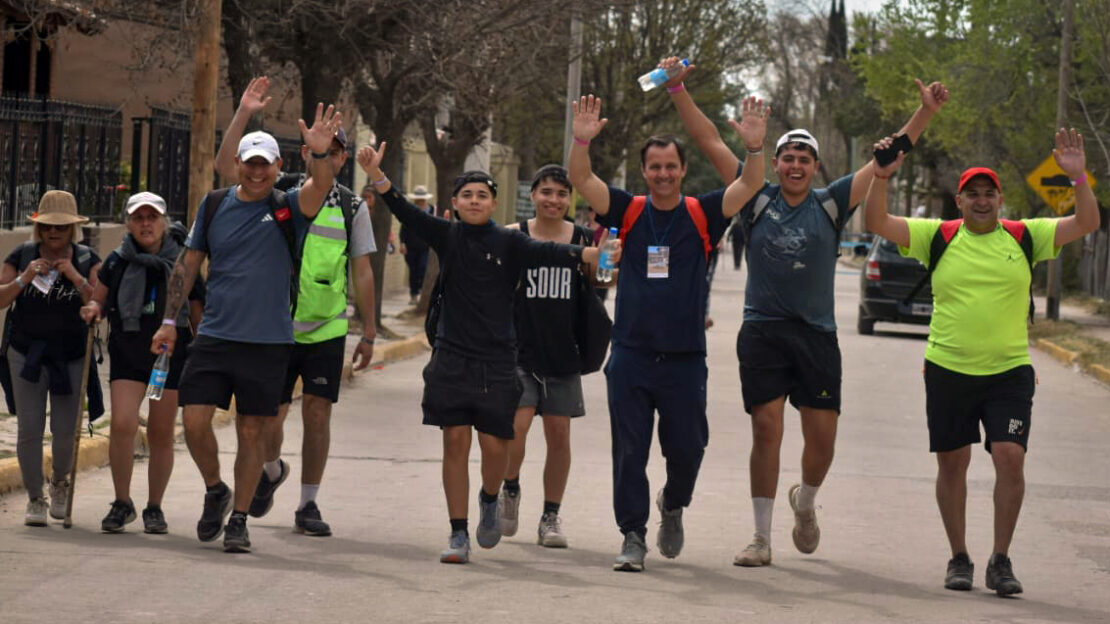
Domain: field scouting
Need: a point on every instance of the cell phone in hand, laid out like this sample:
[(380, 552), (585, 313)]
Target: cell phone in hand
[(901, 143)]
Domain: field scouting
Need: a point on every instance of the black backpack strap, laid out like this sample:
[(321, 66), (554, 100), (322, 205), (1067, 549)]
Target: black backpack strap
[(348, 205), (212, 202), (83, 255), (523, 223)]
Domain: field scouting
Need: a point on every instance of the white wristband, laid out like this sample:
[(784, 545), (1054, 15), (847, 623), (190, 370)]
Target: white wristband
[(169, 321), (19, 280)]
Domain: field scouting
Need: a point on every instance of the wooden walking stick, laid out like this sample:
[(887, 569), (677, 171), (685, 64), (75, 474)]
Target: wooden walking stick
[(68, 522)]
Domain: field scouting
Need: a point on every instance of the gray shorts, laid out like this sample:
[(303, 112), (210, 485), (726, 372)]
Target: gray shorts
[(553, 396)]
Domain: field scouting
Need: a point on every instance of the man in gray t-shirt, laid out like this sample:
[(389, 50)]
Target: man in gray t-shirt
[(245, 339)]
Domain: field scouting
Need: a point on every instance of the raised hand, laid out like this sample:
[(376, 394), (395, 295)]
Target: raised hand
[(587, 118), (753, 123), (887, 171), (318, 138), (1069, 153), (933, 96), (670, 62), (254, 97), (370, 159)]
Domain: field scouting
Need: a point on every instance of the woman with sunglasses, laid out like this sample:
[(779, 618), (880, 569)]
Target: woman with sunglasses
[(46, 281)]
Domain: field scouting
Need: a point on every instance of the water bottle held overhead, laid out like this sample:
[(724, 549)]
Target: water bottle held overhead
[(658, 76), (605, 264)]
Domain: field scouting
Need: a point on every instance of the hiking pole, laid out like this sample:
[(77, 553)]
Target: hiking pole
[(68, 522)]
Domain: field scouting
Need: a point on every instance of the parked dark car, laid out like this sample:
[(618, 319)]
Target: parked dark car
[(885, 281)]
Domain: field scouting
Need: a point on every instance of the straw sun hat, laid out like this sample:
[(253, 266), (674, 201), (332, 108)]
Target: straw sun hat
[(58, 208)]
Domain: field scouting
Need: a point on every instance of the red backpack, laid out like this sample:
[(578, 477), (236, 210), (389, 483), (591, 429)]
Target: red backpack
[(693, 208)]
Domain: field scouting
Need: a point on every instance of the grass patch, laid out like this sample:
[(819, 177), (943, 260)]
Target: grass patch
[(6, 454), (1066, 334)]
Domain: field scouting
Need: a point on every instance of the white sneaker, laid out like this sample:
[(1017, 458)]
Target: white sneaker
[(59, 495), (36, 512), (758, 553), (550, 532), (806, 532), (508, 512)]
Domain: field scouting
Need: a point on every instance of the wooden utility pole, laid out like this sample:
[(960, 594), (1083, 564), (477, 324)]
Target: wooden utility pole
[(206, 75), (1055, 267), (574, 81)]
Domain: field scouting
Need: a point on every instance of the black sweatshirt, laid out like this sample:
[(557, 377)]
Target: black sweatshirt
[(483, 265)]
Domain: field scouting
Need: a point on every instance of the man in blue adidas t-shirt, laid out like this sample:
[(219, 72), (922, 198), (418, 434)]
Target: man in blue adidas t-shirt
[(657, 362), (787, 345), (245, 339)]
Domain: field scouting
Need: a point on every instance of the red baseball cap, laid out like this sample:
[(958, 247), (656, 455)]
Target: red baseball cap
[(966, 177)]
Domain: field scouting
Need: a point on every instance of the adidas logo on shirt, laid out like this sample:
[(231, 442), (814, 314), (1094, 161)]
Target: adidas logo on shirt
[(268, 217)]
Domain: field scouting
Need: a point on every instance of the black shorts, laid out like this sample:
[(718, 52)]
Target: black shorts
[(788, 358), (218, 369), (462, 391), (955, 404), (319, 365), (129, 357)]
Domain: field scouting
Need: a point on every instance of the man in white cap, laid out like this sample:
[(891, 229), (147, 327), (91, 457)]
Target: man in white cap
[(249, 233), (787, 344), (413, 248), (340, 234)]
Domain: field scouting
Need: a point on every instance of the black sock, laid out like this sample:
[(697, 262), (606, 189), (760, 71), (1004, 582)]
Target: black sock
[(550, 508), (238, 515), (512, 485), (153, 507), (486, 498), (459, 524), (219, 487)]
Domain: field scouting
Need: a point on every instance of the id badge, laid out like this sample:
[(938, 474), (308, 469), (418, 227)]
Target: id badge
[(658, 261)]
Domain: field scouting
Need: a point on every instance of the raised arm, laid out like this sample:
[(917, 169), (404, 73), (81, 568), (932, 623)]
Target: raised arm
[(1072, 158), (318, 138), (876, 218), (180, 284), (752, 130), (431, 228), (698, 126), (933, 97), (587, 124), (253, 101)]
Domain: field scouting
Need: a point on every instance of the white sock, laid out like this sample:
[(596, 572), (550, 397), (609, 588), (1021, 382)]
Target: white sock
[(806, 495), (273, 469), (763, 508), (308, 494)]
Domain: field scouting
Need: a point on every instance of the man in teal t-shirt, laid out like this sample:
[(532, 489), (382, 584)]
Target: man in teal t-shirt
[(977, 366)]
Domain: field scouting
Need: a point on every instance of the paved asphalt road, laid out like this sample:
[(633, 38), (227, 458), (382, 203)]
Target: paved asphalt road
[(881, 558)]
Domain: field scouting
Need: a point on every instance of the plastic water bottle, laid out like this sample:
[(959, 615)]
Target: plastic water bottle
[(158, 376), (658, 76), (605, 261)]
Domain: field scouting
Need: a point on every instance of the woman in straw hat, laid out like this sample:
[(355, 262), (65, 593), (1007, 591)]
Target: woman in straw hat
[(131, 293), (47, 280)]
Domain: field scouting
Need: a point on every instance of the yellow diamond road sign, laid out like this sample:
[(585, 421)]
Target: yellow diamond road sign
[(1054, 186)]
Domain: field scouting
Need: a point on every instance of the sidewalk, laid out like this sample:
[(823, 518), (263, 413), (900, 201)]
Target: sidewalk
[(409, 342)]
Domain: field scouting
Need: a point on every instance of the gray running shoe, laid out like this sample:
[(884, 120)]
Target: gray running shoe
[(551, 532), (488, 531), (154, 521), (1000, 576), (122, 513), (458, 549), (757, 554), (307, 520), (217, 505), (236, 537), (806, 532), (671, 537), (508, 512), (36, 512), (960, 573), (59, 495), (632, 554), (263, 499)]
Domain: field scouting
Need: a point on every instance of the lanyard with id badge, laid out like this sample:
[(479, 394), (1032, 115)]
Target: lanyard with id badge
[(659, 254)]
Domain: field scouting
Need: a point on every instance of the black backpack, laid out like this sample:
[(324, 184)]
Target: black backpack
[(832, 211)]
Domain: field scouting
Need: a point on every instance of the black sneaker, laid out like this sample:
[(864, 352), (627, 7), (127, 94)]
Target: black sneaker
[(217, 504), (236, 537), (154, 521), (264, 494), (121, 513), (960, 573), (1000, 576), (307, 521)]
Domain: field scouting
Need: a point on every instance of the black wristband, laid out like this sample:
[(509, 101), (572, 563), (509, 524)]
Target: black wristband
[(319, 155), (365, 340)]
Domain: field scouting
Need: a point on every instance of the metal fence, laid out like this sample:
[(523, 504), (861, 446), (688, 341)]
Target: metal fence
[(50, 144)]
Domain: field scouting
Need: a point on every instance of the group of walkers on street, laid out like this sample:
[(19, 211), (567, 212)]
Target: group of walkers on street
[(505, 321)]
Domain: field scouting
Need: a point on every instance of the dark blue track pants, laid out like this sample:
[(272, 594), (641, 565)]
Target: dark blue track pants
[(641, 383)]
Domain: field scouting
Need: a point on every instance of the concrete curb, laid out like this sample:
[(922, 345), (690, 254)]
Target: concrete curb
[(94, 451), (1068, 357)]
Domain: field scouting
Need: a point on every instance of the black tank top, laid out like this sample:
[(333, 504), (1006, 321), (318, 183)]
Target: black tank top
[(546, 308)]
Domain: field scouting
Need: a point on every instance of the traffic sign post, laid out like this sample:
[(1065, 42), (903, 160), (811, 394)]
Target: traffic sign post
[(1053, 185)]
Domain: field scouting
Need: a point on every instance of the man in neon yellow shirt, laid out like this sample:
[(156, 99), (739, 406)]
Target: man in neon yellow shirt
[(977, 366)]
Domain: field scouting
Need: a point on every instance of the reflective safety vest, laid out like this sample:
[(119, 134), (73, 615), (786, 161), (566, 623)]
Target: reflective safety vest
[(321, 312)]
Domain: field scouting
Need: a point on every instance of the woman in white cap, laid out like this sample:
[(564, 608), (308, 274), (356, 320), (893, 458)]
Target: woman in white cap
[(47, 279), (131, 292)]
